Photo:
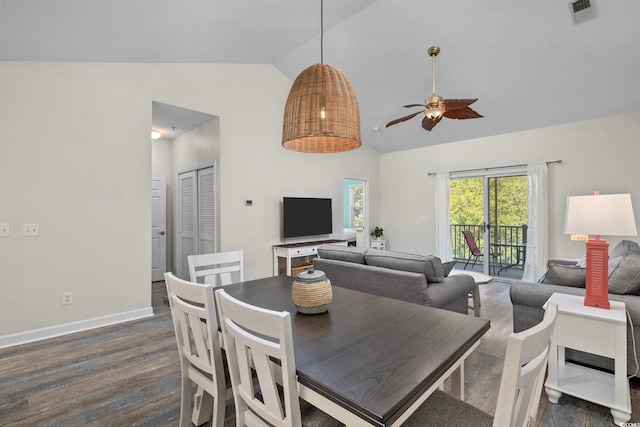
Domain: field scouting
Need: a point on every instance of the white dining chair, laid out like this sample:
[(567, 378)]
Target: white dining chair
[(194, 320), (253, 338), (520, 386), (217, 268)]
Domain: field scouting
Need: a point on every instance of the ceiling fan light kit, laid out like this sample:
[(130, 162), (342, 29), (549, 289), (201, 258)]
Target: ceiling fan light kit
[(321, 114), (435, 108)]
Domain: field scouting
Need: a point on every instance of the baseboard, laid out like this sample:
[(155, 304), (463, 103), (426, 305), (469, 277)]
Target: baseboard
[(70, 328)]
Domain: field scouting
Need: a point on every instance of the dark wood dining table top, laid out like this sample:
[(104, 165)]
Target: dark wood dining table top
[(372, 355)]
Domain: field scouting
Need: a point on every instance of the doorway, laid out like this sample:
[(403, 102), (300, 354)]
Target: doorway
[(189, 140), (494, 208), (354, 211)]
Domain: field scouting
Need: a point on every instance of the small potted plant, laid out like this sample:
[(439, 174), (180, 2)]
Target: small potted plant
[(377, 233)]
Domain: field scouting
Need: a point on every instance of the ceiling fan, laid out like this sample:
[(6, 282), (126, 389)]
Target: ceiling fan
[(435, 107)]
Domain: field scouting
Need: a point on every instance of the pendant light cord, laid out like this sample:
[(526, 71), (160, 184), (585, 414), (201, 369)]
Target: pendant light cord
[(321, 31)]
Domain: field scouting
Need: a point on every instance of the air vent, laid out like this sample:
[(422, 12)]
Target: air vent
[(581, 11)]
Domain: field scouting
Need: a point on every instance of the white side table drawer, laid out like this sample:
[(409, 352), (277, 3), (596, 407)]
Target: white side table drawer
[(378, 244)]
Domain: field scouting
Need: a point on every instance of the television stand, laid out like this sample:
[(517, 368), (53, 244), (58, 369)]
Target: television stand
[(297, 257)]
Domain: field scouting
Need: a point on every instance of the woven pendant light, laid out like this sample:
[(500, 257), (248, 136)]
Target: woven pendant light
[(321, 114)]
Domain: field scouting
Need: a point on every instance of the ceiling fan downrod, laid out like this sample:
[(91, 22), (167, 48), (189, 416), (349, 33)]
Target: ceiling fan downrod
[(433, 52), (434, 104)]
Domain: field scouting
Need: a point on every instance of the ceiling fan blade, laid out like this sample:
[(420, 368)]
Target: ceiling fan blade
[(455, 104), (413, 105), (428, 124), (404, 119), (461, 113)]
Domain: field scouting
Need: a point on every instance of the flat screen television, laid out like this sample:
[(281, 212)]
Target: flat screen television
[(306, 216)]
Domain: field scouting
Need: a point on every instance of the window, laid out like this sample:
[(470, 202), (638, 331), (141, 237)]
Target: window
[(356, 206)]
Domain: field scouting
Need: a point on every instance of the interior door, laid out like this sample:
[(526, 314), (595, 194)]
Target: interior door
[(158, 227), (206, 211), (187, 220), (196, 216)]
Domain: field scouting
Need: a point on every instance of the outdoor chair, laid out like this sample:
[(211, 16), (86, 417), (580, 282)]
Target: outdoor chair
[(476, 252), (523, 375)]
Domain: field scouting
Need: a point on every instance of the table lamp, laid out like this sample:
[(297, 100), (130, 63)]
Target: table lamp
[(608, 215)]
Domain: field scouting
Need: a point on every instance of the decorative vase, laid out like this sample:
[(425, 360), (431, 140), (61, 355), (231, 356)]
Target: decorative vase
[(312, 292)]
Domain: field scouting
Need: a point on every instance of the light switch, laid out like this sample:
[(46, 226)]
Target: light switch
[(30, 230), (5, 230)]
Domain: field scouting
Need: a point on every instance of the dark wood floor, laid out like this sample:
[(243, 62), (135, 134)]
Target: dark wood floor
[(129, 374)]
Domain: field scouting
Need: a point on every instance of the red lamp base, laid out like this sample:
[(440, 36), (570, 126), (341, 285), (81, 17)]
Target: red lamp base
[(597, 274)]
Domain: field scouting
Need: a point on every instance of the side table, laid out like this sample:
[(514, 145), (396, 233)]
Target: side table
[(597, 331), (378, 244), (479, 279)]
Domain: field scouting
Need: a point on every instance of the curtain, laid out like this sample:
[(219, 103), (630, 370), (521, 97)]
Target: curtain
[(537, 250), (443, 229)]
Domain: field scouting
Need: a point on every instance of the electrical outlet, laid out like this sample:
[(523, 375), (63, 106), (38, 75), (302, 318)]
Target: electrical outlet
[(30, 230), (5, 230), (67, 298)]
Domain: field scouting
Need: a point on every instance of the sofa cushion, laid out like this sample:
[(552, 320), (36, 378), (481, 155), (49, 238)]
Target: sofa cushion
[(624, 274), (430, 266), (342, 253), (565, 275)]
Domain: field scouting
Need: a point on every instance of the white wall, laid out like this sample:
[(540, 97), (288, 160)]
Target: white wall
[(596, 155), (76, 158)]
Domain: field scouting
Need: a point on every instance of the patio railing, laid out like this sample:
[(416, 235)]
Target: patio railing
[(509, 240)]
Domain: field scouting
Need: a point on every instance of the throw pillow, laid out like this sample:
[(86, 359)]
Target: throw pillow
[(623, 248), (342, 253), (565, 275), (447, 267), (430, 266), (624, 274)]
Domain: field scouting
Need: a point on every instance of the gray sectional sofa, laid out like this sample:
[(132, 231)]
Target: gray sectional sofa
[(568, 277), (408, 277)]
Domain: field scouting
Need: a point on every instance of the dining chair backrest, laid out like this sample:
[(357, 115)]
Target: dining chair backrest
[(523, 373), (217, 268), (471, 243), (253, 337), (194, 320)]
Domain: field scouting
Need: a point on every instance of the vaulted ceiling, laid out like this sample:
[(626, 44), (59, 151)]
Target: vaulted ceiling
[(526, 62)]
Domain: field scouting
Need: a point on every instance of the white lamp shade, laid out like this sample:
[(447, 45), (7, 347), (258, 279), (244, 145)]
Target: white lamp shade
[(604, 215)]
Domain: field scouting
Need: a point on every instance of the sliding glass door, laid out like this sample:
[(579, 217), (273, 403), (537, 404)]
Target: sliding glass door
[(490, 211)]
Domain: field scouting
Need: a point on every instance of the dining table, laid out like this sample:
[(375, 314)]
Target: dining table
[(370, 360)]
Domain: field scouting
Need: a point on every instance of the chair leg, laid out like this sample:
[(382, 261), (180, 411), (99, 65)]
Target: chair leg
[(186, 402), (202, 407), (465, 266)]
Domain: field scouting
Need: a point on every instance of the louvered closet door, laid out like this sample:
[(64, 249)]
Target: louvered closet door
[(188, 220), (206, 211), (197, 216)]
